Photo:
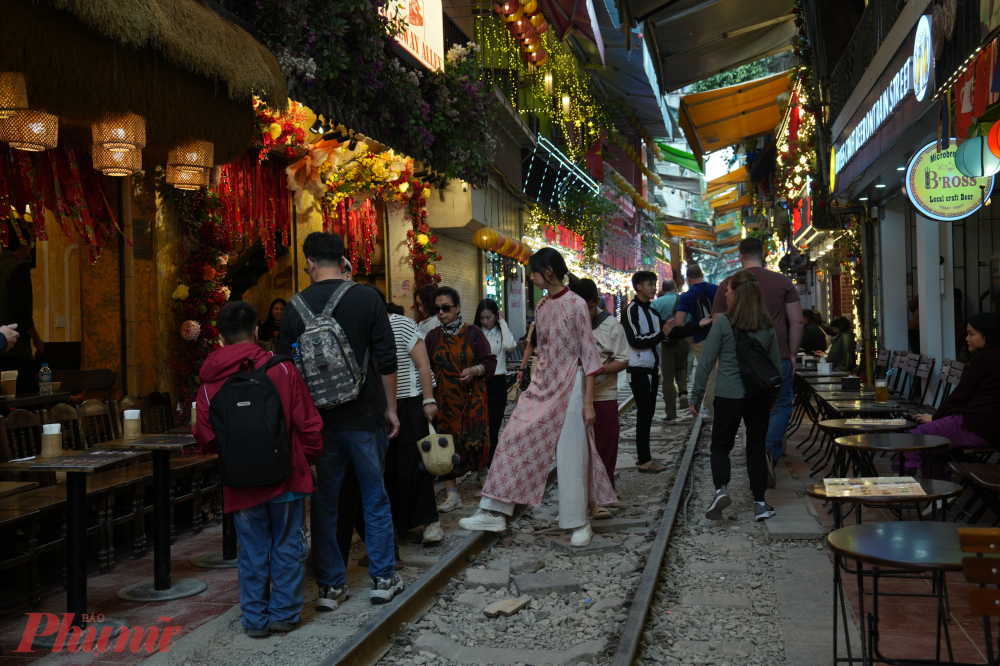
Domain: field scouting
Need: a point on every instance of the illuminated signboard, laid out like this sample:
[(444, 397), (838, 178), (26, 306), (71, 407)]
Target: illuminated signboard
[(938, 190)]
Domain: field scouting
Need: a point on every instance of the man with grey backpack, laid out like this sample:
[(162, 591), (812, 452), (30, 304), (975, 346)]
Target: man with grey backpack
[(341, 341)]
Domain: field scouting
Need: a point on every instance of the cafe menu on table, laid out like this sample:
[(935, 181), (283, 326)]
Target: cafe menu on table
[(874, 486), (875, 422)]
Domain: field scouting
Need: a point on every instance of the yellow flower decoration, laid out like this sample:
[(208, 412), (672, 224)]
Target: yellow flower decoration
[(180, 293), (422, 239), (431, 269), (274, 129)]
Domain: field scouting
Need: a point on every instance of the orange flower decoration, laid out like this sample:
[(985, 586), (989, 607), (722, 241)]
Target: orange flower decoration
[(208, 272)]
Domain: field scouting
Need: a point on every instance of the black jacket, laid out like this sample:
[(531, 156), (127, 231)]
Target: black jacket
[(813, 339), (365, 321)]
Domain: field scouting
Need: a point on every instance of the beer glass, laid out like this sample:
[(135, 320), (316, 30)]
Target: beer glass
[(881, 391)]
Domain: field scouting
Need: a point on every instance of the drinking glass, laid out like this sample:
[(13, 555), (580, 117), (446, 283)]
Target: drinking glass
[(881, 391)]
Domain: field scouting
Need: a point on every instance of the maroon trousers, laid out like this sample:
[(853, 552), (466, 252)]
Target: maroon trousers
[(606, 431)]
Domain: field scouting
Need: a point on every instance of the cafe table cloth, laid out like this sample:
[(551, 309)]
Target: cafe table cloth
[(528, 443)]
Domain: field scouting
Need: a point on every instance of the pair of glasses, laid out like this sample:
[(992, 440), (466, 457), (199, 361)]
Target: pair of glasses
[(441, 308)]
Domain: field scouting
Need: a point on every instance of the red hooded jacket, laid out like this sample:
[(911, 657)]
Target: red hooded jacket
[(301, 416)]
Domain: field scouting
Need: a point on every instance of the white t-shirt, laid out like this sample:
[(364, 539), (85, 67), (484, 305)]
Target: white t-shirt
[(424, 327), (501, 341), (407, 379)]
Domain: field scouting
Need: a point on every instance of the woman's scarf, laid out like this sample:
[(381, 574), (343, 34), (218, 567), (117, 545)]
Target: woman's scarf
[(454, 327)]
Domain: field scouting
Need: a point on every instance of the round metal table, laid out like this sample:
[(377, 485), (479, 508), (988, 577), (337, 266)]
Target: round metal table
[(858, 451)]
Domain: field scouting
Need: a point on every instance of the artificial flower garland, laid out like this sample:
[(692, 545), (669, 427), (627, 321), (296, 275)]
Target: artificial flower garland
[(420, 241), (199, 296), (275, 129)]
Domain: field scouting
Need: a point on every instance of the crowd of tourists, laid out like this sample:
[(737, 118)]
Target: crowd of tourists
[(351, 407)]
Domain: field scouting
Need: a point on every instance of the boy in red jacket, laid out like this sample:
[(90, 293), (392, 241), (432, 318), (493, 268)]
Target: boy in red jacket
[(268, 519)]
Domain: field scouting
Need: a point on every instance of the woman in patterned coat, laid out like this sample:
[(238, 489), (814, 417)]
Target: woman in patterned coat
[(462, 362), (554, 417)]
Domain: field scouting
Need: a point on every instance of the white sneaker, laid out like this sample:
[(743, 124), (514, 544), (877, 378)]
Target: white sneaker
[(706, 414), (582, 536), (433, 533), (451, 503), (483, 521)]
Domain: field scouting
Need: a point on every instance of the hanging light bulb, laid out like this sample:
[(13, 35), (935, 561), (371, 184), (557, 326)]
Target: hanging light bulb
[(30, 130), (13, 94), (193, 156), (549, 82), (120, 132), (565, 105)]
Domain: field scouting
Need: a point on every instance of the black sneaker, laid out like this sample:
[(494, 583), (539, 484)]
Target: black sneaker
[(282, 627), (668, 420), (385, 590), (330, 598), (257, 633), (763, 511), (720, 502)]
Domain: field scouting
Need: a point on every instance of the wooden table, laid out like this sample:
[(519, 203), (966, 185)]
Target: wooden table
[(161, 588), (26, 464), (77, 467), (181, 430), (911, 546), (22, 400), (8, 488), (860, 450)]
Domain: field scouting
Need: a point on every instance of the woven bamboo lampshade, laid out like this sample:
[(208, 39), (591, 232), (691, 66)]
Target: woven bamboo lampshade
[(193, 156), (13, 94), (120, 132), (30, 130), (120, 163), (187, 180)]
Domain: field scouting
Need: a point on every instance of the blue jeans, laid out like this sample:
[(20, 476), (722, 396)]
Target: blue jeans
[(272, 547), (782, 412), (365, 450)]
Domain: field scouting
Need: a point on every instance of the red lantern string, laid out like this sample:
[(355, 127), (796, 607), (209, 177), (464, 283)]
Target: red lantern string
[(255, 203)]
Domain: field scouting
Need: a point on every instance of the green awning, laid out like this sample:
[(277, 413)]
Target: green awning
[(679, 157)]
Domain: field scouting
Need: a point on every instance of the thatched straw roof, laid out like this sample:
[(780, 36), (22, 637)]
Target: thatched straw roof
[(188, 71)]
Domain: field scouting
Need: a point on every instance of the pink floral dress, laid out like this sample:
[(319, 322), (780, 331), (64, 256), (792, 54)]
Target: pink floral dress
[(528, 443)]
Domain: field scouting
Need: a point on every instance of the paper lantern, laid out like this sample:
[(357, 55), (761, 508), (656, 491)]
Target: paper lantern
[(121, 163), (993, 139), (30, 130), (505, 246), (538, 21), (187, 180), (538, 58), (13, 94), (193, 156), (974, 158), (485, 238), (507, 8), (516, 15), (532, 48), (530, 7), (120, 132)]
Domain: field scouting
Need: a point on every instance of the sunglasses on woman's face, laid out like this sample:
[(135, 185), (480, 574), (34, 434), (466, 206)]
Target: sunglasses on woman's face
[(441, 308)]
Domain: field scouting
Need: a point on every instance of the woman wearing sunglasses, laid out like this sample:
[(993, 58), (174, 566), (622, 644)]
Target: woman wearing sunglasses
[(462, 362), (554, 417)]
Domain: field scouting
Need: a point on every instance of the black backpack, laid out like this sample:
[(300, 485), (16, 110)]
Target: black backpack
[(249, 424), (760, 377)]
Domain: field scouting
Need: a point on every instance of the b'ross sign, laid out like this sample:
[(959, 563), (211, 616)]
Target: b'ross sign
[(938, 190)]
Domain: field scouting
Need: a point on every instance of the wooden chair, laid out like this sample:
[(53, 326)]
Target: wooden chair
[(96, 423), (19, 534), (882, 363), (22, 434), (159, 414), (69, 419), (983, 571), (78, 381), (896, 367), (128, 402)]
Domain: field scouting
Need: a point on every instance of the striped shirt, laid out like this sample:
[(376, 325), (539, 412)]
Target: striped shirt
[(407, 380)]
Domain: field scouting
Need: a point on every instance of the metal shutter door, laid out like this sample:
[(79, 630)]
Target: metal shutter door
[(459, 269)]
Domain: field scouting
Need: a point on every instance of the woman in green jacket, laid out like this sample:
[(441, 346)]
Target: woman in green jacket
[(745, 312), (841, 352)]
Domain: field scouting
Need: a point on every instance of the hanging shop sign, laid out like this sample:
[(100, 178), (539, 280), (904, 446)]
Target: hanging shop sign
[(939, 190), (423, 37)]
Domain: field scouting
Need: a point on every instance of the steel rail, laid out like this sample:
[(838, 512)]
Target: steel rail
[(628, 642)]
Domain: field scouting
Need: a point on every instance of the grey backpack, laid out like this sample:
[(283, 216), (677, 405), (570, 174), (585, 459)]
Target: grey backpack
[(327, 362)]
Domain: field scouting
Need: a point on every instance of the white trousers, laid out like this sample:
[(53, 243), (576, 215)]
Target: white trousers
[(572, 464)]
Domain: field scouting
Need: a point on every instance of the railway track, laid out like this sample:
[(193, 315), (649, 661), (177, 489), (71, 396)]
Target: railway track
[(371, 643)]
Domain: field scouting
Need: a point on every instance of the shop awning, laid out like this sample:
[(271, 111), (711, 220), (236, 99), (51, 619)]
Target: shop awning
[(691, 233), (728, 226), (680, 157), (729, 241), (689, 40), (729, 180), (720, 118), (724, 199), (692, 185), (672, 219), (742, 202), (574, 17)]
